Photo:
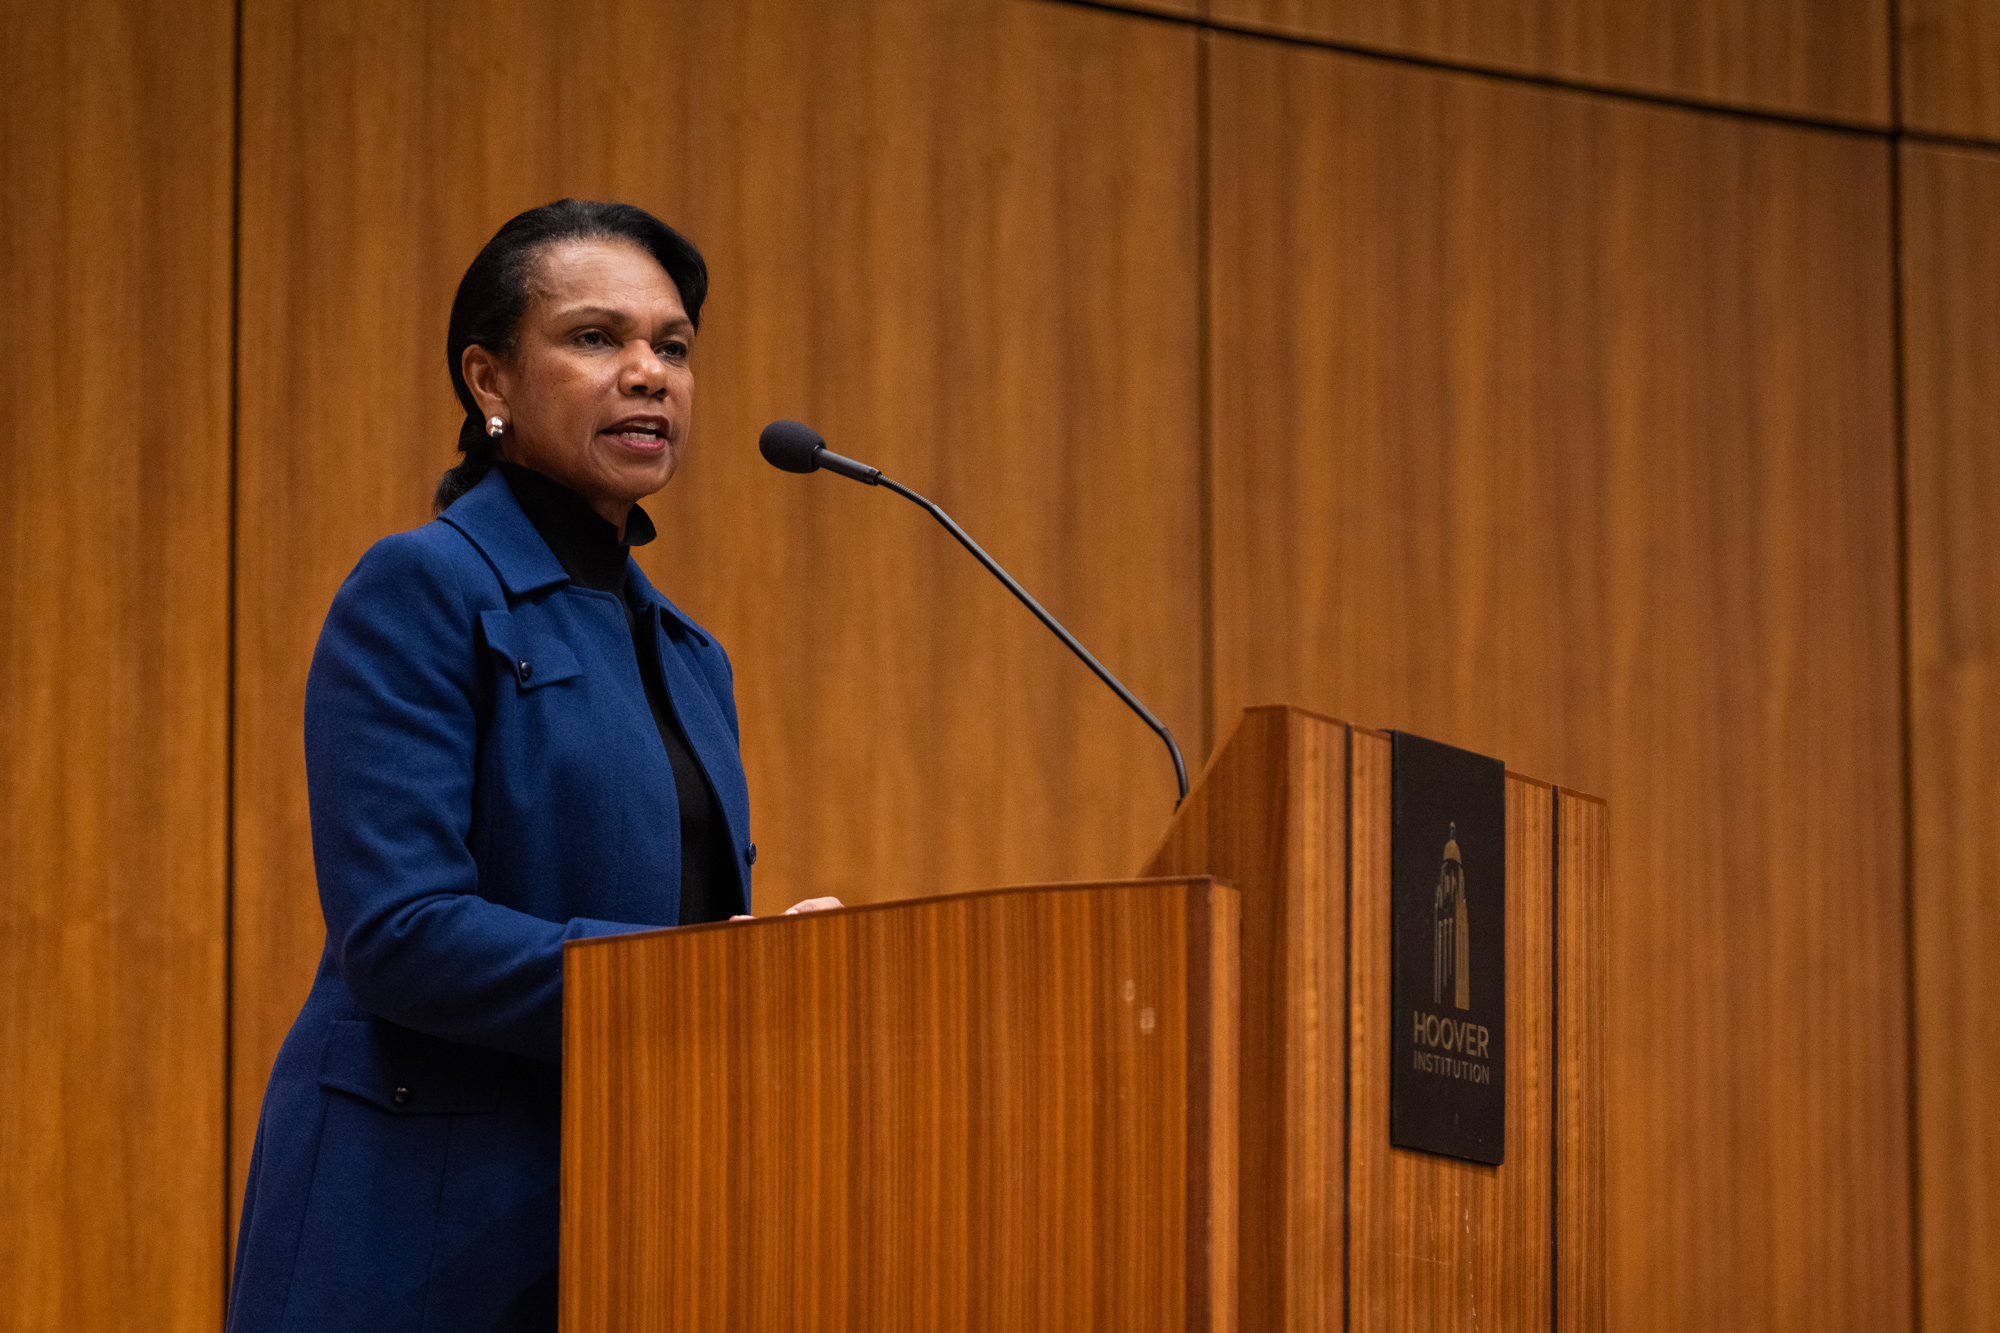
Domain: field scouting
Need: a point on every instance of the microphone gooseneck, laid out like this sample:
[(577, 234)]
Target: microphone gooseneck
[(796, 447)]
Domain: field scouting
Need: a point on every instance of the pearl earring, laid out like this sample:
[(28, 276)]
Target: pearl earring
[(494, 425)]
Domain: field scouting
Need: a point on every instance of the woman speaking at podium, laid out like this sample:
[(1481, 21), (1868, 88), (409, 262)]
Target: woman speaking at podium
[(512, 741)]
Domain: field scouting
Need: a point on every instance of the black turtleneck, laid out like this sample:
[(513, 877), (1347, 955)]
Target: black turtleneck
[(591, 553)]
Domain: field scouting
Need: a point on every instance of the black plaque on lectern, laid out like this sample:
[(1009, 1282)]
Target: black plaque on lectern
[(1447, 961)]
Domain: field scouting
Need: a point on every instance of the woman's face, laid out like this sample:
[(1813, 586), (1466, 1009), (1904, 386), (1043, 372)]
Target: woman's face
[(597, 392)]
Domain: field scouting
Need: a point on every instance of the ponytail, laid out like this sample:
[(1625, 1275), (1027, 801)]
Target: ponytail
[(480, 450)]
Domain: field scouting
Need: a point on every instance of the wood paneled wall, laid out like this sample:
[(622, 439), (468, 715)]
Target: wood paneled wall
[(1827, 59), (115, 134), (1951, 288), (978, 269), (1555, 424), (1562, 428)]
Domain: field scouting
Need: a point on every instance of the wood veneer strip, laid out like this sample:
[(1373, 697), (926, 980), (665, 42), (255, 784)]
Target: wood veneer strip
[(1581, 994), (116, 126), (1951, 287)]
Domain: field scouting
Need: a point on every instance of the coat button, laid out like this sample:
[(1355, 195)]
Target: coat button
[(400, 1096), (750, 855), (527, 670)]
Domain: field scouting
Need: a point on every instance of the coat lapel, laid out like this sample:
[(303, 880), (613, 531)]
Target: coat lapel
[(693, 699), (491, 520)]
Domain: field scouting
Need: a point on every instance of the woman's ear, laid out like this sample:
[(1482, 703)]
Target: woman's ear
[(482, 373)]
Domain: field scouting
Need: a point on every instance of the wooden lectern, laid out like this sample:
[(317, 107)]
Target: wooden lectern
[(1150, 1104)]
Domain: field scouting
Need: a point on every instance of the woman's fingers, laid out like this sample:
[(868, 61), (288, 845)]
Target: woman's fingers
[(813, 905)]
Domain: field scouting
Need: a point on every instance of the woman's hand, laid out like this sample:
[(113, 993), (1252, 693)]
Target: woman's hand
[(803, 905)]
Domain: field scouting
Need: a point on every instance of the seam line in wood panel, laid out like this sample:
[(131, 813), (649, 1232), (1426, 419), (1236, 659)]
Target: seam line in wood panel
[(1474, 69), (1204, 389), (229, 654), (1906, 719), (1966, 142), (1894, 13)]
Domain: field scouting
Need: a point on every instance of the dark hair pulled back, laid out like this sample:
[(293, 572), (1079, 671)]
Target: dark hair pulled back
[(496, 288)]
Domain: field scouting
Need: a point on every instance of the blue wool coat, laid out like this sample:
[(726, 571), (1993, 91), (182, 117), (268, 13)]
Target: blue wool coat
[(486, 782)]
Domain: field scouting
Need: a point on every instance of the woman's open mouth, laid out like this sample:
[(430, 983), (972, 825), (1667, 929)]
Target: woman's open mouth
[(648, 435)]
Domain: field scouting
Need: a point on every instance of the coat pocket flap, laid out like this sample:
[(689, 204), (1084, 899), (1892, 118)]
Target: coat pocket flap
[(407, 1072), (532, 660)]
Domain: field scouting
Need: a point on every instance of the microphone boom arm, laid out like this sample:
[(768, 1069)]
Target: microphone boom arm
[(873, 477)]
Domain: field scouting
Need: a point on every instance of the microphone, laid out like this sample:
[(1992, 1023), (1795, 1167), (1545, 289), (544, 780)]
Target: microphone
[(797, 447), (794, 446)]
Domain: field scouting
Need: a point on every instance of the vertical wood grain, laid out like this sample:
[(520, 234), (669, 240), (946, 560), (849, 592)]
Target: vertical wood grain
[(959, 238), (1951, 286), (1435, 1243), (1269, 816), (1215, 1239), (115, 138), (1562, 429), (1581, 993), (1950, 56), (990, 1111), (1815, 58)]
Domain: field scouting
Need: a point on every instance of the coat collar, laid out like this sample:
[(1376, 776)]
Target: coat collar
[(491, 519)]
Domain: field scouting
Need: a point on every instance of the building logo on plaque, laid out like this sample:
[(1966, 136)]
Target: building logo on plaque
[(1448, 877), (1451, 945)]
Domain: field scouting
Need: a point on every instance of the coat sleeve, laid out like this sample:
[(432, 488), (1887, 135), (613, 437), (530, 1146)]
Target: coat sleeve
[(391, 748)]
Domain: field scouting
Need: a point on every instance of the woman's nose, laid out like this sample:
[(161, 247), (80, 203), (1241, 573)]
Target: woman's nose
[(644, 371)]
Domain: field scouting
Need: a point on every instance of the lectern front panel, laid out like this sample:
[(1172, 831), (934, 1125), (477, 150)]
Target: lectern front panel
[(1001, 1111)]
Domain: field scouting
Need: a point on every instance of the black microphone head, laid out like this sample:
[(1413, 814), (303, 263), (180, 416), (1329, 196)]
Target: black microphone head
[(791, 445)]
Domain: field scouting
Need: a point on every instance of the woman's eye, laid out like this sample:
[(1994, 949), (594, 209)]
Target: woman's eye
[(674, 350), (593, 338)]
